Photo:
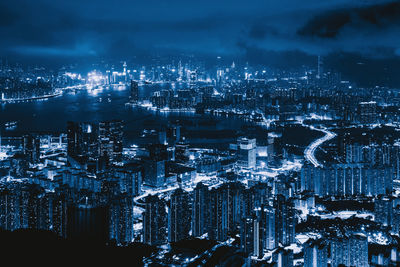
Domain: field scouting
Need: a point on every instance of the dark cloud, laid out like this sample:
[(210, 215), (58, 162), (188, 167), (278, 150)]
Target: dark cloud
[(7, 16), (261, 31), (357, 20), (274, 32)]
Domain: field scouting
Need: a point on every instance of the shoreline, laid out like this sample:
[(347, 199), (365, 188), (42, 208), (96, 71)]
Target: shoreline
[(18, 100)]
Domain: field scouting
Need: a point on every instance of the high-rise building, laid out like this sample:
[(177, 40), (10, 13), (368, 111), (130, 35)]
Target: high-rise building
[(154, 221), (101, 143), (182, 151), (225, 209), (383, 209), (129, 179), (252, 234), (110, 139), (269, 214), (28, 206), (179, 216), (121, 219), (347, 179), (367, 112), (315, 253), (31, 148), (154, 172), (247, 150), (82, 140), (349, 251), (247, 231), (284, 220), (200, 210), (282, 257), (134, 98)]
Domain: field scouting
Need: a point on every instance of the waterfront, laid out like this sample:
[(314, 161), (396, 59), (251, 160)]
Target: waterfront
[(104, 103)]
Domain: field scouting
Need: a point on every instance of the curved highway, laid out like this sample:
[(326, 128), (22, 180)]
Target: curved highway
[(309, 153)]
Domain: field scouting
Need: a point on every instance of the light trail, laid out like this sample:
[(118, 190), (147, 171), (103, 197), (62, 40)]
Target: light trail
[(309, 153)]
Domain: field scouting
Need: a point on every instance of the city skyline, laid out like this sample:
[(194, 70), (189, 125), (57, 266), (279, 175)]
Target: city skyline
[(355, 37), (212, 133)]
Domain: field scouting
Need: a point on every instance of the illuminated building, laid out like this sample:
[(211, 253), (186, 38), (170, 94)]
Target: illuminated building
[(283, 257), (134, 97), (110, 139), (383, 209), (31, 148), (200, 210), (154, 221), (225, 209), (284, 220), (179, 216), (349, 251), (129, 179), (247, 150), (315, 253), (121, 220), (367, 112)]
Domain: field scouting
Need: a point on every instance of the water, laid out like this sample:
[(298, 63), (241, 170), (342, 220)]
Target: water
[(52, 115)]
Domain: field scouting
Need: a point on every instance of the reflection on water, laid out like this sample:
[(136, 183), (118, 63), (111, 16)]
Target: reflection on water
[(98, 104)]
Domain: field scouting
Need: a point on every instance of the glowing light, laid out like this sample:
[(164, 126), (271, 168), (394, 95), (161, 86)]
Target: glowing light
[(95, 77)]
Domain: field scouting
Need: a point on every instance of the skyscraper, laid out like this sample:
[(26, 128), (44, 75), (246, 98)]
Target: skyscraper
[(383, 209), (269, 227), (110, 139), (100, 142), (349, 251), (315, 253), (225, 209), (82, 140), (178, 216), (367, 112), (134, 98), (31, 148), (284, 220), (200, 210), (247, 149), (129, 178), (283, 257), (121, 219), (154, 221)]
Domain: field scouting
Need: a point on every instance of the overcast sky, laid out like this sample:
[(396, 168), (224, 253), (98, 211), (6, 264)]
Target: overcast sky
[(261, 31)]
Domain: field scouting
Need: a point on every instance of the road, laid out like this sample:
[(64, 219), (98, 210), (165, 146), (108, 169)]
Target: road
[(309, 153)]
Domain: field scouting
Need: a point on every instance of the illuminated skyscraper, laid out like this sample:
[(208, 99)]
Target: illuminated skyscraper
[(121, 220), (110, 139), (226, 209), (179, 216), (134, 98), (154, 221), (315, 253), (282, 257), (367, 112), (383, 210), (247, 150), (31, 148), (284, 220), (349, 251), (129, 178), (200, 210)]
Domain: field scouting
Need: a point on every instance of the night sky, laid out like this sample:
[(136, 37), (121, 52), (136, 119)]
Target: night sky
[(360, 38)]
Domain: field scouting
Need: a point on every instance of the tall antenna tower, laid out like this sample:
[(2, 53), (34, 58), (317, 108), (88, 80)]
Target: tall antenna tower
[(319, 67)]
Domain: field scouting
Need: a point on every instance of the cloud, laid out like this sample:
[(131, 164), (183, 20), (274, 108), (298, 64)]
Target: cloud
[(275, 32), (371, 30), (369, 19)]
